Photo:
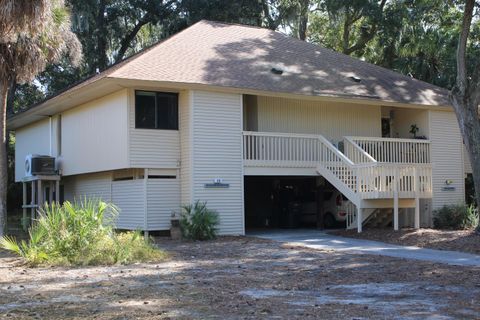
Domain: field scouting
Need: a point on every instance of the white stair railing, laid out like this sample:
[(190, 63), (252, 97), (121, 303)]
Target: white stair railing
[(335, 164), (355, 153)]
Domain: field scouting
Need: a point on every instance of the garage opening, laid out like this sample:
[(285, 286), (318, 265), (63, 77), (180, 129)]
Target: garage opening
[(292, 202)]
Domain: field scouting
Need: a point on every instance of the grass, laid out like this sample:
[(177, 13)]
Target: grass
[(81, 233)]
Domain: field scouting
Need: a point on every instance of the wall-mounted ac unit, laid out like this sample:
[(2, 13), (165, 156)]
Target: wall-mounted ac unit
[(39, 165)]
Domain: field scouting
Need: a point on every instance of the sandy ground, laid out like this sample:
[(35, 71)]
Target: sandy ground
[(242, 278), (455, 240)]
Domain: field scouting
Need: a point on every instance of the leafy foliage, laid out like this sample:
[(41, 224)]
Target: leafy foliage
[(197, 222), (456, 217), (80, 234)]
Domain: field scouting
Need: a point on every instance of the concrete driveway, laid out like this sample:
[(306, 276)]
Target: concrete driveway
[(316, 239)]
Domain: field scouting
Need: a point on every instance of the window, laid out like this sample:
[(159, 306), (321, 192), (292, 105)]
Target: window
[(156, 110)]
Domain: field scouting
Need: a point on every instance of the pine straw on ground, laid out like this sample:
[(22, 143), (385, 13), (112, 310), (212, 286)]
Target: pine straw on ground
[(242, 278), (454, 240)]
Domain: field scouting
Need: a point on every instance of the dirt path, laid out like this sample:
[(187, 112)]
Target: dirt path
[(455, 240), (242, 278)]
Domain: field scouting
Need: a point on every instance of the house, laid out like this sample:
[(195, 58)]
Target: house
[(251, 121)]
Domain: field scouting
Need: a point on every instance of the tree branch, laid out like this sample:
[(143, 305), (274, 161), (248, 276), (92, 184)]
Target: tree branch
[(365, 37), (127, 40)]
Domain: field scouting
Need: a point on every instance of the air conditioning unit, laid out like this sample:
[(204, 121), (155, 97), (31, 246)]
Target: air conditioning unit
[(39, 165)]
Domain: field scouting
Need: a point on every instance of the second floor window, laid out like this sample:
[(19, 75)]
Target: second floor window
[(156, 110)]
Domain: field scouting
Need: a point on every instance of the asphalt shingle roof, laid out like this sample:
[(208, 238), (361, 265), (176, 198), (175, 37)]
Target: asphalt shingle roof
[(227, 55)]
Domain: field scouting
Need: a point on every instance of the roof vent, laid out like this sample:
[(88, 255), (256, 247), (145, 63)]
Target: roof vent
[(276, 71), (355, 79)]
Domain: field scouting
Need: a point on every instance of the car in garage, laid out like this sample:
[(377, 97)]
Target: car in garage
[(335, 208)]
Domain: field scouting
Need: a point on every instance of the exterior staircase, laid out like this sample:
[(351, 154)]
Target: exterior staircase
[(370, 185)]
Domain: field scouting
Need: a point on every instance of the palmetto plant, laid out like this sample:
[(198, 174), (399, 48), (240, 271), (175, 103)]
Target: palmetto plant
[(33, 33), (65, 232), (80, 233), (198, 222)]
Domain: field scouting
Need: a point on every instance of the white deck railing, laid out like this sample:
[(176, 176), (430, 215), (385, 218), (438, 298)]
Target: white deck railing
[(355, 153), (394, 150), (267, 148), (368, 179)]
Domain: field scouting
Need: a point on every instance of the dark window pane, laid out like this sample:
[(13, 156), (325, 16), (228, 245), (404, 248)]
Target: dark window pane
[(145, 110), (167, 112)]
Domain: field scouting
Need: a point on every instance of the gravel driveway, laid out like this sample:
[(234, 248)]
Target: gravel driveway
[(243, 278)]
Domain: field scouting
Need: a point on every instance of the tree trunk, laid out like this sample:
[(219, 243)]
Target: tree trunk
[(469, 123), (3, 158), (11, 96), (303, 19), (101, 37), (465, 98)]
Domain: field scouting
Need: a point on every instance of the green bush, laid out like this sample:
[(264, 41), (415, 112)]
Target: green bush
[(456, 217), (197, 222), (80, 234)]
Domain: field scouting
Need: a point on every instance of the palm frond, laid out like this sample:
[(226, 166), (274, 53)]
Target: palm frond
[(10, 244)]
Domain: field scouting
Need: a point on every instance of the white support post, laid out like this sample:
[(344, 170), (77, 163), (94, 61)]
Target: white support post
[(145, 205), (395, 199), (359, 219), (40, 195), (57, 191), (24, 204), (417, 213), (395, 210), (50, 192), (32, 202)]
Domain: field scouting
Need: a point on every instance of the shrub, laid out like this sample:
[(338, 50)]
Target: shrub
[(456, 217), (80, 234), (197, 222)]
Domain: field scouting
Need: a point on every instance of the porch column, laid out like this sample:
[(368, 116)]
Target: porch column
[(395, 210), (145, 203), (24, 205), (50, 192), (57, 191), (32, 202), (39, 195), (417, 213), (417, 200), (359, 219)]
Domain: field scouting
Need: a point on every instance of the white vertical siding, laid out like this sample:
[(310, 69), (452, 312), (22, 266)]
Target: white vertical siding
[(94, 135), (136, 209), (217, 153), (163, 197), (447, 159), (94, 185), (332, 119), (151, 148), (32, 139), (186, 129), (129, 197)]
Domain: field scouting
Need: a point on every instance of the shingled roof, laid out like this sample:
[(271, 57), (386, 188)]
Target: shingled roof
[(245, 57), (239, 56)]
